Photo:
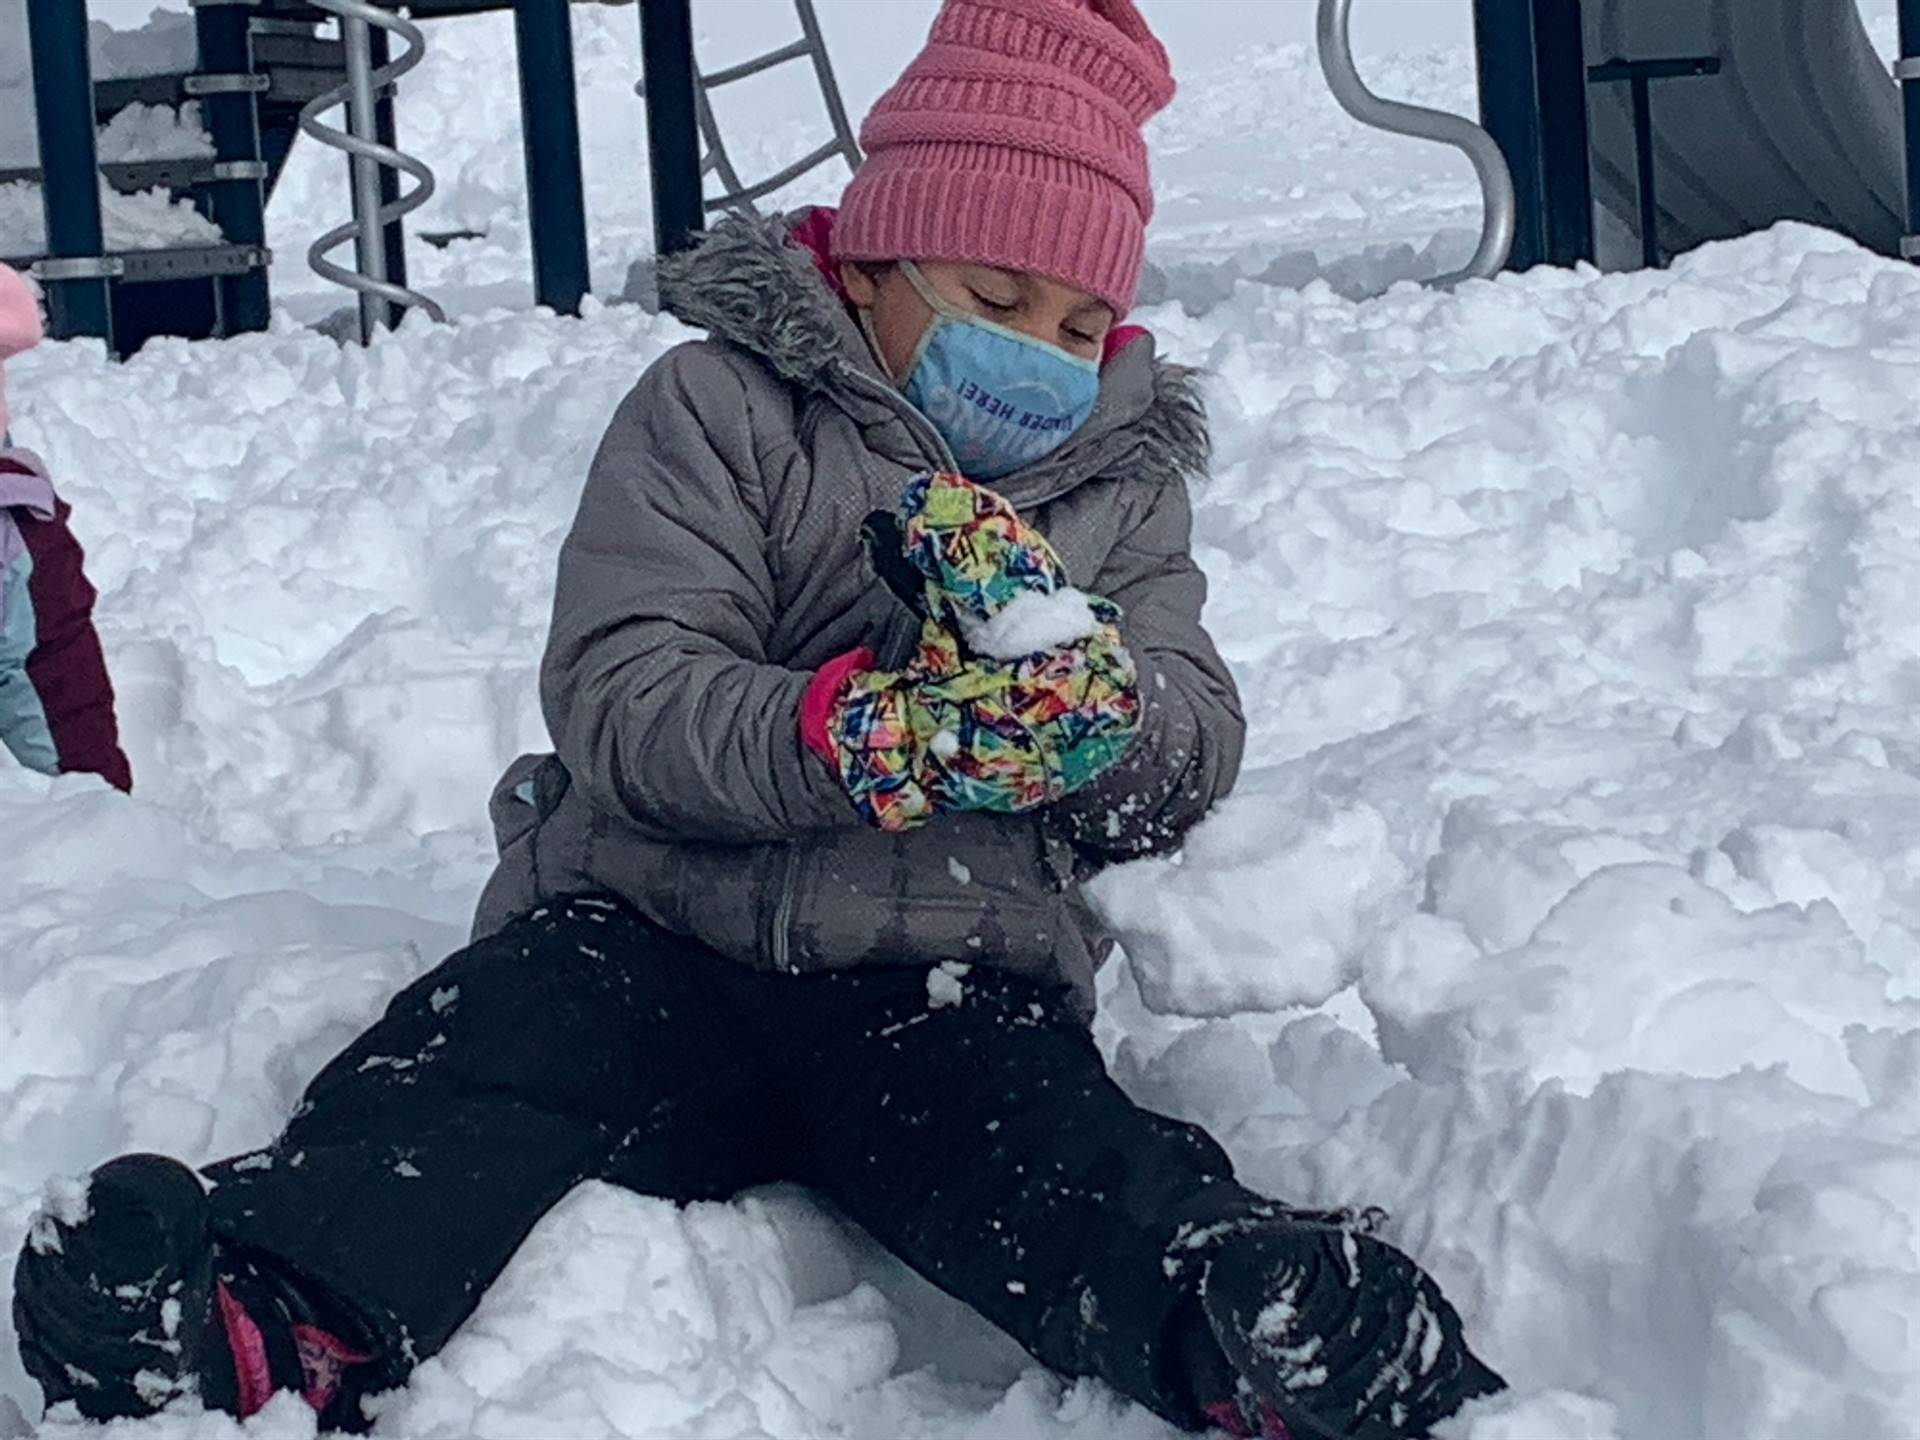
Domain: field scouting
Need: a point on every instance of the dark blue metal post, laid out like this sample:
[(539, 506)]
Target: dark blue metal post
[(673, 130), (1533, 102), (550, 132), (237, 199), (1566, 158), (387, 133), (77, 301), (1909, 73)]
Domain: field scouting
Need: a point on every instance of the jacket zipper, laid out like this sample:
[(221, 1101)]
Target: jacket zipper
[(782, 943), (921, 428)]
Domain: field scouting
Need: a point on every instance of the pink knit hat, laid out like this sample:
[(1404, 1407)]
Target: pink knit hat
[(1013, 140), (19, 327)]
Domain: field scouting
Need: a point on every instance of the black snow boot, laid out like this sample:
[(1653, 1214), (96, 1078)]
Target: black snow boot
[(124, 1302), (1324, 1332)]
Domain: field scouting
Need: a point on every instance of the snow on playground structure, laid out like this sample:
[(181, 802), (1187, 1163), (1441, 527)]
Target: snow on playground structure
[(1683, 121), (1576, 623)]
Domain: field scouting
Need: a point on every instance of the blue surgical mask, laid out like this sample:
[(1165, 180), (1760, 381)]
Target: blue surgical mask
[(1001, 400)]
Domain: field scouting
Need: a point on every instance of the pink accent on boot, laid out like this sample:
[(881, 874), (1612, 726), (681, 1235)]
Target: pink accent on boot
[(1228, 1416), (1272, 1427), (324, 1358), (253, 1380)]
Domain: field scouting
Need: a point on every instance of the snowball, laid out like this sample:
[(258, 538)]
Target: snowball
[(1032, 622)]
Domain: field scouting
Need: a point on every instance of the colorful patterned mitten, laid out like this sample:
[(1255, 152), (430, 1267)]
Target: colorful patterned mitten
[(979, 561), (960, 728)]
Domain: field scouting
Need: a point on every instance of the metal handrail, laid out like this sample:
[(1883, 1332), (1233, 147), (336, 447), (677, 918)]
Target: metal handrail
[(1498, 206)]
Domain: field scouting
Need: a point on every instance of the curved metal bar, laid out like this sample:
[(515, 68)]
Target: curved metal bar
[(372, 218), (1496, 180)]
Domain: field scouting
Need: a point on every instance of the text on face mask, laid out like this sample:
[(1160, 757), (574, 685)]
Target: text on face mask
[(1007, 410)]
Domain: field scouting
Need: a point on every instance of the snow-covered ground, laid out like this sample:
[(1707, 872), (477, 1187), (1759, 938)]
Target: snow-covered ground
[(1570, 906)]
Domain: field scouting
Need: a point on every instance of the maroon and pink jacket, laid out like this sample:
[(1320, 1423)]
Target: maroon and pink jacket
[(56, 702)]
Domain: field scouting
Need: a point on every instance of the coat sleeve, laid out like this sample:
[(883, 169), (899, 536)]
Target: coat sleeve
[(1192, 731), (68, 668), (656, 685), (23, 723)]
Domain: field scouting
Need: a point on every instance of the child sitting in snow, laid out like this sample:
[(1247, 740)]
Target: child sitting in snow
[(797, 897), (56, 703)]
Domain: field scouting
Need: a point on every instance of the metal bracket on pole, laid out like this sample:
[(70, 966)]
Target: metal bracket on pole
[(198, 85), (236, 201), (1496, 180), (78, 267)]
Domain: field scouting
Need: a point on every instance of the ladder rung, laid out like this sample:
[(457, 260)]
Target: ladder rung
[(779, 178), (753, 67)]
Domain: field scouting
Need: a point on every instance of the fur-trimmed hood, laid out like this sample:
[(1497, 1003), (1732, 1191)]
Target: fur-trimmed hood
[(752, 282)]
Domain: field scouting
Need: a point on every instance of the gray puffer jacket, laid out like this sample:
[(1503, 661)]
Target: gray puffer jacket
[(715, 564)]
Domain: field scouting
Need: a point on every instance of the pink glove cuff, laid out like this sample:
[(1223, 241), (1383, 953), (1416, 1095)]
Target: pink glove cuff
[(816, 705)]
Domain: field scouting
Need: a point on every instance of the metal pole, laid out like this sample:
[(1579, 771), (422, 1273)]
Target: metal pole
[(1908, 71), (550, 132), (369, 244), (1643, 156), (1640, 75), (1510, 112), (387, 133), (673, 128), (237, 199), (1566, 157), (69, 168)]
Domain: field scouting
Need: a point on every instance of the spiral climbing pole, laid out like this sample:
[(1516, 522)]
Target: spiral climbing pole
[(381, 297)]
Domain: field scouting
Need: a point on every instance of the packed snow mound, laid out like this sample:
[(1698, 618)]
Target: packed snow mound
[(1574, 622), (1575, 617)]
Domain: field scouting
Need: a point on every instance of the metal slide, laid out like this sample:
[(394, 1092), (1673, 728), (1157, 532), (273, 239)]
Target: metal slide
[(1803, 122)]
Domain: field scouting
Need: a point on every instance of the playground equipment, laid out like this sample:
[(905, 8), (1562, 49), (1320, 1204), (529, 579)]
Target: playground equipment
[(218, 288), (1496, 180), (734, 193), (264, 73), (1695, 121), (372, 212), (1689, 119)]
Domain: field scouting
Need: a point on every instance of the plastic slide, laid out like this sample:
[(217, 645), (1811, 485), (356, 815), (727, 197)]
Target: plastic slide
[(1803, 121)]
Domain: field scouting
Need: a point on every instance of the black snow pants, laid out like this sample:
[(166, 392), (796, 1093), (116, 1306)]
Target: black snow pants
[(967, 1123)]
